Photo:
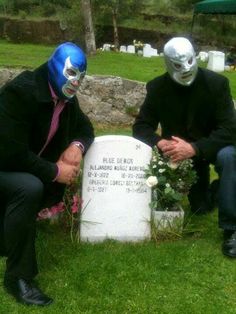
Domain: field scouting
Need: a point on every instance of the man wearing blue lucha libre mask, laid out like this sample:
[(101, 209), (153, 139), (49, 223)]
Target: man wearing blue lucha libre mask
[(67, 68), (44, 135)]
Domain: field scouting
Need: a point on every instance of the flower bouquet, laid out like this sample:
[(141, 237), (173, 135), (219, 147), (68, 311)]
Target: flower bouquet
[(170, 183)]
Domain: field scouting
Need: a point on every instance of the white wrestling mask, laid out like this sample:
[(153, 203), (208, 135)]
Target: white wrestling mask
[(180, 59)]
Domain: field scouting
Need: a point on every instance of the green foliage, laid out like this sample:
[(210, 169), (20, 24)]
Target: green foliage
[(22, 14), (104, 9), (73, 19), (184, 6), (48, 9), (6, 6), (43, 7), (170, 182), (131, 110)]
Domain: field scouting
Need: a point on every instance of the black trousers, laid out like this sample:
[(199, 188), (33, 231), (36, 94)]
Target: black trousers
[(22, 196), (199, 192)]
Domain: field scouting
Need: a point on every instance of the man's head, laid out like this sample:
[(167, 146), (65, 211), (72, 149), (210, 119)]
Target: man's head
[(180, 59), (66, 68)]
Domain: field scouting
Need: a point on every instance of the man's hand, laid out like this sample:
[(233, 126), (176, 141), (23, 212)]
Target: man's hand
[(178, 150), (165, 144), (72, 156), (67, 173)]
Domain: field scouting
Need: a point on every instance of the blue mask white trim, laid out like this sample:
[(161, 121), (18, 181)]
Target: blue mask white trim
[(67, 68)]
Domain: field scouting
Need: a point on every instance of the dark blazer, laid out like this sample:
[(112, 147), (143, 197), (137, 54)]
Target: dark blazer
[(202, 113), (26, 109)]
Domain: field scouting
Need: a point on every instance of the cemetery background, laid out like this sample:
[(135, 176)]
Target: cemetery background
[(186, 276)]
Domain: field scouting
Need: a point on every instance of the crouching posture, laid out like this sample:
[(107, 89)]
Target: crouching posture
[(195, 110), (43, 136)]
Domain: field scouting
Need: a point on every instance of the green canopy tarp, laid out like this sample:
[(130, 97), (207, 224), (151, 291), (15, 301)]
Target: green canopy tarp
[(215, 7)]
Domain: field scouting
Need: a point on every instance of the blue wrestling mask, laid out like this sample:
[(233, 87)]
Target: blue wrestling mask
[(67, 68)]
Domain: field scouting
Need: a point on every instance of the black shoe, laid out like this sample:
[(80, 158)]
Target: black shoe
[(229, 244), (24, 292)]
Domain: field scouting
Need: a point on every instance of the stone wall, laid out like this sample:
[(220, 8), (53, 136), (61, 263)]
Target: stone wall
[(105, 99), (110, 99)]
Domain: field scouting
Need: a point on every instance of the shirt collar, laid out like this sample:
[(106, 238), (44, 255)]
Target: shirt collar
[(54, 96)]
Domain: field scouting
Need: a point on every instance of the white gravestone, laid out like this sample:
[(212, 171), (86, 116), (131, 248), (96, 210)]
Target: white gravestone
[(216, 61), (148, 51), (123, 49), (130, 49), (115, 196)]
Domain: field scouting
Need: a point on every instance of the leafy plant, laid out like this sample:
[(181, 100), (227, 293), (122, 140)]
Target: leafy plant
[(67, 212), (170, 182)]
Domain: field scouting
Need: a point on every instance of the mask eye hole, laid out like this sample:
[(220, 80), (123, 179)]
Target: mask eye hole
[(190, 61), (70, 72), (82, 77), (177, 66)]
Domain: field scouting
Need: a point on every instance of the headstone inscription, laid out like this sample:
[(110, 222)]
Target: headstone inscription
[(115, 196)]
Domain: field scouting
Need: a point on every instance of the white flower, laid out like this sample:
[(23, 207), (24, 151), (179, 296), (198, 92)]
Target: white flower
[(161, 170), (160, 163), (173, 165), (167, 185), (151, 181), (154, 166)]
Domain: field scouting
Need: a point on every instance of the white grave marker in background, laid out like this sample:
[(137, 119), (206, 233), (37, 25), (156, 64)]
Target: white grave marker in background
[(130, 49), (216, 61), (123, 49), (115, 196)]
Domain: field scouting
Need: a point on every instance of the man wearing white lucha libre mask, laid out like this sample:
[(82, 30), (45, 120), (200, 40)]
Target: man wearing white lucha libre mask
[(180, 59), (195, 110), (43, 135)]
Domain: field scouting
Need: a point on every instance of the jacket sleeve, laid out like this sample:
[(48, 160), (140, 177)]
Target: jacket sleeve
[(83, 131), (17, 114), (224, 132), (146, 123)]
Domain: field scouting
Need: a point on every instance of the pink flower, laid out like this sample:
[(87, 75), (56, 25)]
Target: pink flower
[(47, 213), (58, 208), (44, 214), (75, 205)]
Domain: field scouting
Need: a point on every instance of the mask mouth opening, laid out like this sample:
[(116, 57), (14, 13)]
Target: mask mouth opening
[(69, 90), (186, 75)]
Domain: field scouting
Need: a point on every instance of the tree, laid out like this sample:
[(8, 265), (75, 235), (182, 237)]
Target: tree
[(88, 25), (115, 10)]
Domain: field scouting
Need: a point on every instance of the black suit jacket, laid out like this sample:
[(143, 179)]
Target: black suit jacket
[(202, 113), (26, 109)]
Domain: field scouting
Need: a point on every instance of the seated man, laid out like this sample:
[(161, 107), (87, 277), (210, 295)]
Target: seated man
[(195, 110), (43, 135)]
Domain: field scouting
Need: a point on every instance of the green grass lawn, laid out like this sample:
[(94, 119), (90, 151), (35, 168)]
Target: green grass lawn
[(185, 276), (104, 63), (189, 275)]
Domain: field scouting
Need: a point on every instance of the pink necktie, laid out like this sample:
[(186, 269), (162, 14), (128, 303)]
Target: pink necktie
[(59, 105)]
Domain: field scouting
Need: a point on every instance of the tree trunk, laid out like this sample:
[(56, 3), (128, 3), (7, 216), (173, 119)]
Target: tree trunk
[(88, 25), (116, 36)]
